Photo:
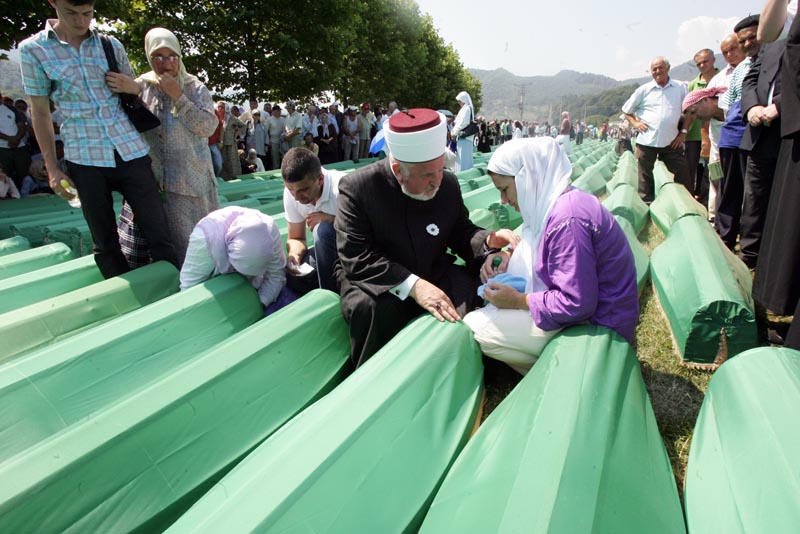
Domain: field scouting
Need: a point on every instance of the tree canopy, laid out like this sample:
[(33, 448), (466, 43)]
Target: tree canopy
[(359, 50)]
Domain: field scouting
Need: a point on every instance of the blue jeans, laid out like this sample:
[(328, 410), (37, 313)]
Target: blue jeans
[(325, 255), (216, 159)]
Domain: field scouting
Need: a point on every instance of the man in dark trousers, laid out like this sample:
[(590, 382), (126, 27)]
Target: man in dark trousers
[(104, 152), (395, 222), (761, 106)]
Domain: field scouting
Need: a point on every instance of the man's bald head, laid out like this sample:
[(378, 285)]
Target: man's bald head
[(731, 50)]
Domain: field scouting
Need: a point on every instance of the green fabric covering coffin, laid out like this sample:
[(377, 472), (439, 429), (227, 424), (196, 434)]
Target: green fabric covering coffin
[(591, 182), (41, 284), (32, 259), (140, 462), (625, 202), (625, 173), (50, 389), (704, 292), (12, 245), (366, 458), (744, 473), (640, 257), (574, 448), (661, 177), (672, 203), (48, 321), (75, 235)]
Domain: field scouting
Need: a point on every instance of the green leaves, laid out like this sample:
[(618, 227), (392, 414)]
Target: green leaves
[(359, 50)]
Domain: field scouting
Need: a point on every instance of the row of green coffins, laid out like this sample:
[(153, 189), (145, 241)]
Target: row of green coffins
[(164, 420), (39, 377)]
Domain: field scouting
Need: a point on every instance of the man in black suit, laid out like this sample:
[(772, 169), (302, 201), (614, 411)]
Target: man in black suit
[(395, 222), (761, 105)]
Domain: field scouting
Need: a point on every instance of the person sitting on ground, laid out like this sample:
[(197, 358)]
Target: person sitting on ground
[(310, 199), (239, 240), (37, 181), (398, 221), (8, 189), (574, 259), (246, 165), (308, 142), (254, 161)]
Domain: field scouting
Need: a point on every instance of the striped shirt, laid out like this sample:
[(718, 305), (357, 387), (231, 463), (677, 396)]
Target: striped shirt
[(734, 93), (94, 124)]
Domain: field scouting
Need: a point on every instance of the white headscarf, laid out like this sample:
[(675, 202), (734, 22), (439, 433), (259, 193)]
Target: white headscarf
[(464, 97), (541, 173), (163, 38), (239, 240)]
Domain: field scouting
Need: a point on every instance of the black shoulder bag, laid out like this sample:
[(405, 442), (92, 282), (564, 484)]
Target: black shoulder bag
[(141, 117), (471, 128)]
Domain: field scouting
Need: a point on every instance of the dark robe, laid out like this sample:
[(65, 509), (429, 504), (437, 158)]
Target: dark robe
[(384, 236), (777, 281), (761, 144), (327, 151)]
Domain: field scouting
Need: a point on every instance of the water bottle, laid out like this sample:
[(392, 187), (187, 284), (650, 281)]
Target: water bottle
[(75, 202)]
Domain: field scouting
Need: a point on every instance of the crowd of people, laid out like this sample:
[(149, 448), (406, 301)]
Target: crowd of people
[(386, 236), (727, 137)]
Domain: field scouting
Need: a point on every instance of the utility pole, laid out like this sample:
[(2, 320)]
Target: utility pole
[(521, 87)]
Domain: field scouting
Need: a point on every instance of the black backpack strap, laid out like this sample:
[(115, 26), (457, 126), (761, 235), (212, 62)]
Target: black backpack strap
[(108, 48)]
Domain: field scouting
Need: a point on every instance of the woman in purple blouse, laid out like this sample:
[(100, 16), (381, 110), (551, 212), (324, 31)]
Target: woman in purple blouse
[(574, 259)]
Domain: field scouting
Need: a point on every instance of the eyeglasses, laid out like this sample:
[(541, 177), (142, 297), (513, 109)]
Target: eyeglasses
[(165, 59)]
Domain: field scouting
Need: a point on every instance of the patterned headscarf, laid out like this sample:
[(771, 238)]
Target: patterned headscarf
[(163, 38), (699, 94)]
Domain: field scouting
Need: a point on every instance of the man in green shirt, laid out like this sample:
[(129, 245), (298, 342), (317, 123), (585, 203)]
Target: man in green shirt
[(704, 59)]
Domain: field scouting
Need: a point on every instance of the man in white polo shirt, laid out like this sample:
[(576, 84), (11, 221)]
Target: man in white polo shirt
[(654, 109), (310, 200)]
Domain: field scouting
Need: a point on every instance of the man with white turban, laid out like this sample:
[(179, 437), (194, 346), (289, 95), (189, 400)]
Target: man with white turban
[(395, 222)]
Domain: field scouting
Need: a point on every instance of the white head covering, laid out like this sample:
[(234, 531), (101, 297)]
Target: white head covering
[(416, 136), (163, 38), (464, 97), (541, 172), (239, 240)]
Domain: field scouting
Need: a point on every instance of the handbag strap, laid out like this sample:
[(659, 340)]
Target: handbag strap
[(108, 48)]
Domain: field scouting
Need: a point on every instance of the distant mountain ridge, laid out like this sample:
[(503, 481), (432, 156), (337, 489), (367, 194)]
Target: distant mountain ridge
[(544, 95)]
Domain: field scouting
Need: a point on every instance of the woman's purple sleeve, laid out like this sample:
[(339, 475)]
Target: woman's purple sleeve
[(568, 266)]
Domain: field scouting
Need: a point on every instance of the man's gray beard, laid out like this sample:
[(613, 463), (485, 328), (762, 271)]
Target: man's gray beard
[(424, 197)]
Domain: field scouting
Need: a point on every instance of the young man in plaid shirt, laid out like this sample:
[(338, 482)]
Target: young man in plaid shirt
[(104, 152)]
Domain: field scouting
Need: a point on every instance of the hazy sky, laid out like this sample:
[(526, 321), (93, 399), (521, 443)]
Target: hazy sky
[(611, 37)]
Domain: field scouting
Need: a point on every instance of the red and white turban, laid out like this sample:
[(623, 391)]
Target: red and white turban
[(699, 94)]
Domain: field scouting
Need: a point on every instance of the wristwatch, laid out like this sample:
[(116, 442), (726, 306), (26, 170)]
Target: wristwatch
[(684, 131)]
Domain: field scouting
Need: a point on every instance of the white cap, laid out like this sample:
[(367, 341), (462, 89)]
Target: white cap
[(416, 136)]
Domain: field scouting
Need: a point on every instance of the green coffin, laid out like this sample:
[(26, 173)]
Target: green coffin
[(50, 320), (625, 202), (142, 460), (640, 257), (366, 458), (32, 259), (13, 245), (705, 293), (672, 203), (52, 388), (41, 284), (661, 177), (573, 449), (627, 172), (591, 181), (744, 472)]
